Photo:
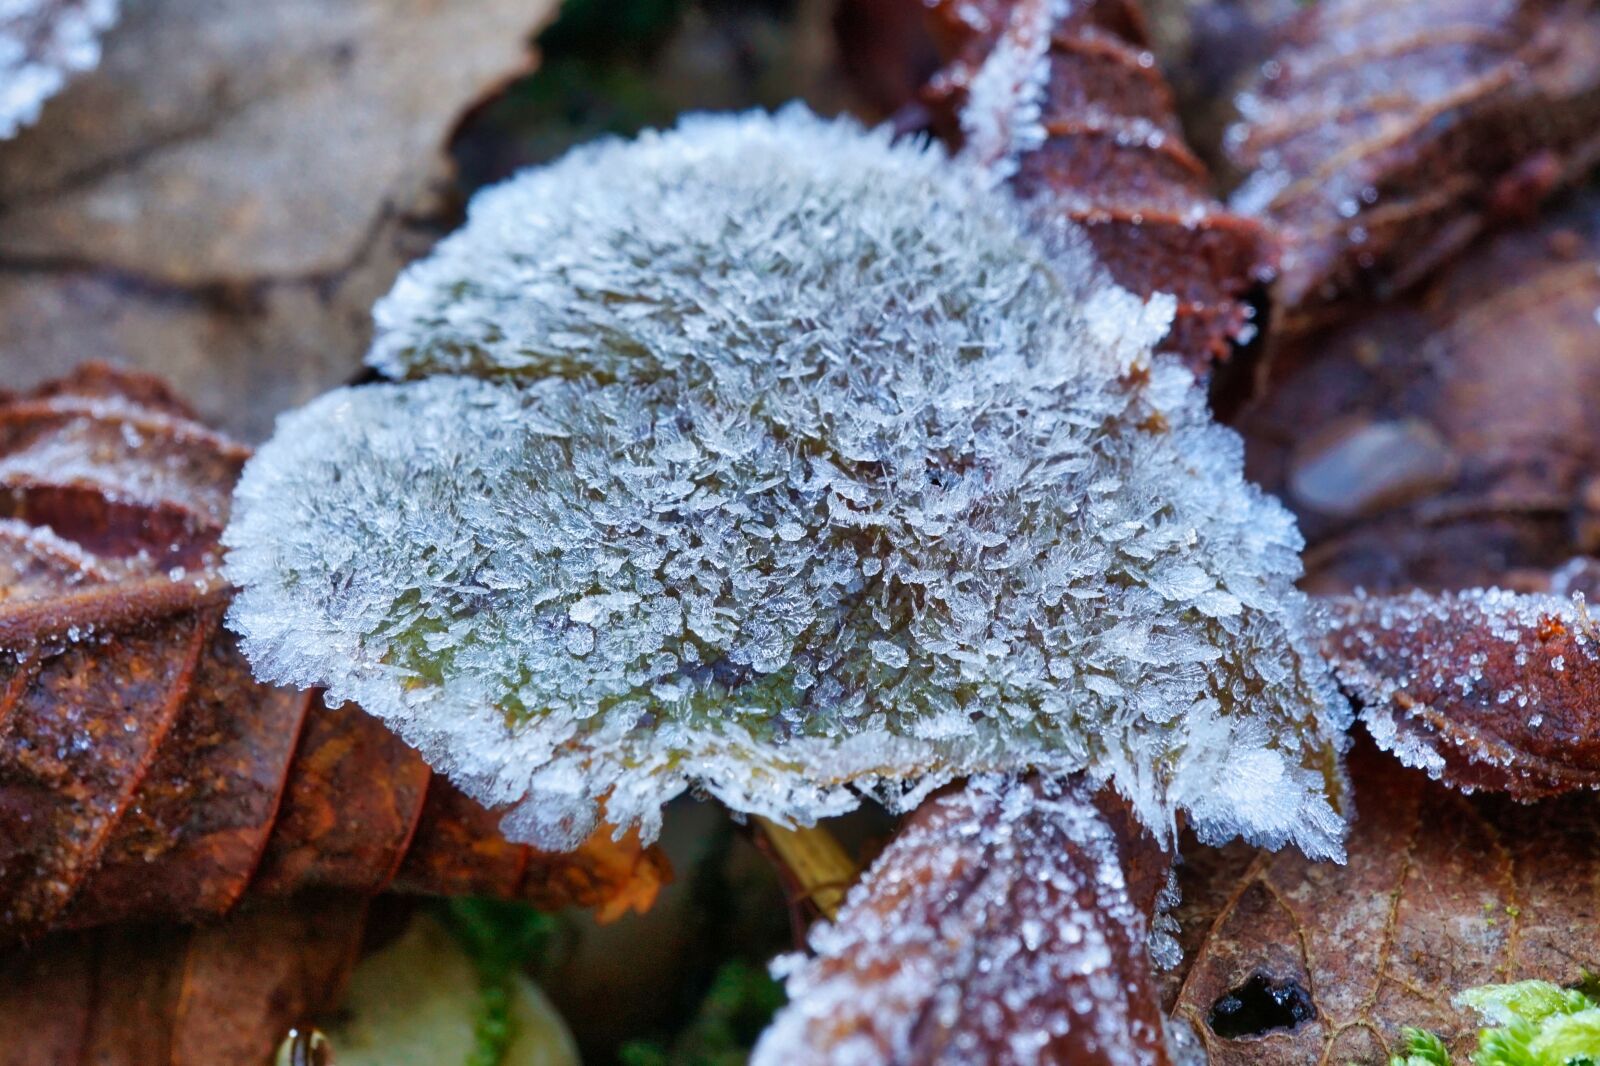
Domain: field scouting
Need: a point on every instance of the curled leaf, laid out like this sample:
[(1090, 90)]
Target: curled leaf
[(1006, 923), (1381, 139), (1486, 689), (1065, 100)]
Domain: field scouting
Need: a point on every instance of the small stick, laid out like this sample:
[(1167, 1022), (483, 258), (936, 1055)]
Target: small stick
[(822, 868)]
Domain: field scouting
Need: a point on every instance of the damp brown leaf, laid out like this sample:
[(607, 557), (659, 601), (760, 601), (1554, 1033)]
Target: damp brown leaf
[(1294, 962), (143, 772), (1382, 138), (135, 995), (1448, 439), (1005, 923), (1096, 134), (222, 199)]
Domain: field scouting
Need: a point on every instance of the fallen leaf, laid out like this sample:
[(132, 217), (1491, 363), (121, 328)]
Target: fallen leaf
[(140, 995), (1448, 439), (1007, 922), (143, 772), (1295, 962), (1484, 689), (1077, 100), (224, 197), (1381, 139), (1209, 51)]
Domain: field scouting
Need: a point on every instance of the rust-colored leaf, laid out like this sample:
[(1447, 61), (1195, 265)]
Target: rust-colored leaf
[(140, 995), (1488, 690), (143, 771), (1448, 439), (225, 195), (1000, 926), (1441, 892), (1382, 138), (1111, 156)]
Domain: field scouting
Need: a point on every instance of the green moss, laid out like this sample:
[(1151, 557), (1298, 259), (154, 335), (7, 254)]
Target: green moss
[(500, 938), (1533, 1023), (1422, 1048)]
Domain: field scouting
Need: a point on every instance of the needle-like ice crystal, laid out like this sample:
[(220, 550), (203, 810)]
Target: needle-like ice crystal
[(770, 457), (42, 44)]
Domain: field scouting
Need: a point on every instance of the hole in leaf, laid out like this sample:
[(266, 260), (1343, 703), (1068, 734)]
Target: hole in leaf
[(1259, 1006)]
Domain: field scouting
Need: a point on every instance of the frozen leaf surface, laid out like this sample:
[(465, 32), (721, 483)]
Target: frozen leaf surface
[(1442, 892), (1486, 689), (144, 773), (42, 44), (999, 926), (792, 465)]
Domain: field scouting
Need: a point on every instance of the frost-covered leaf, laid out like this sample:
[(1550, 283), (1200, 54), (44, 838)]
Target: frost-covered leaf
[(1064, 99), (999, 927), (42, 44), (1416, 452), (144, 773), (1486, 689), (221, 200), (1441, 893), (1381, 138), (797, 467)]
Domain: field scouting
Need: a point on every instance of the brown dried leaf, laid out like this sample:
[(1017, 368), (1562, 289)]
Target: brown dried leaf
[(999, 926), (1113, 157), (1210, 50), (222, 200), (1488, 690), (1382, 138), (1447, 439), (1441, 892), (143, 772), (142, 995)]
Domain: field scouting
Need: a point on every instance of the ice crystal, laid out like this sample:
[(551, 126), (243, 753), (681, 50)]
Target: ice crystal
[(1003, 117), (768, 456), (42, 44)]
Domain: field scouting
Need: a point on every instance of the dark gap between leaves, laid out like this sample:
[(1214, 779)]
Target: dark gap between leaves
[(1259, 1006)]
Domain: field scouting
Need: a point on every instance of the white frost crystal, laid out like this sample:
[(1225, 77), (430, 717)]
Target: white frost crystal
[(771, 457), (42, 44)]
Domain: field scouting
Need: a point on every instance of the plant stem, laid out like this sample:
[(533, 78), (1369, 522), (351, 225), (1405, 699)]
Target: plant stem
[(822, 868)]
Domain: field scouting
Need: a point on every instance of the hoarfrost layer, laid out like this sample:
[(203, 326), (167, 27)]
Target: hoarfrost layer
[(42, 44), (997, 927), (801, 470), (1483, 687)]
